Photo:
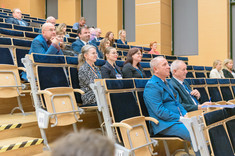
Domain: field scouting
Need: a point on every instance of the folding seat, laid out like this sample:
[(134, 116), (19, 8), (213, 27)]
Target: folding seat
[(146, 57), (123, 47), (146, 49), (69, 26), (208, 69), (120, 56), (146, 67), (3, 13), (170, 59), (2, 20), (6, 25), (13, 33), (185, 59), (4, 16), (119, 63), (190, 73), (10, 84), (218, 138), (37, 30), (27, 20), (99, 63), (135, 135), (74, 31), (22, 43), (73, 35), (36, 21), (153, 55), (214, 90), (19, 54), (31, 35), (225, 88), (139, 47), (124, 53), (200, 85), (57, 96), (5, 41), (23, 28), (71, 40), (199, 72)]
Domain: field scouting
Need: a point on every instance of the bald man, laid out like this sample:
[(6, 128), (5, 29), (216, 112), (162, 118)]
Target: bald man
[(47, 42), (17, 18)]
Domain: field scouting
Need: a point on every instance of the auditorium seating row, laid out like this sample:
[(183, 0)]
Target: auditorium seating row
[(125, 101)]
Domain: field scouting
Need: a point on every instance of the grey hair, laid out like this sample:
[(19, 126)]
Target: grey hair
[(155, 61), (84, 50), (46, 25), (50, 18), (175, 65), (13, 11)]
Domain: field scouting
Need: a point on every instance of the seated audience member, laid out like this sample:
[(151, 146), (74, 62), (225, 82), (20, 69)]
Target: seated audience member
[(187, 97), (132, 67), (153, 46), (87, 73), (62, 28), (110, 36), (80, 24), (17, 18), (97, 33), (228, 69), (162, 102), (84, 143), (51, 20), (84, 37), (92, 33), (104, 43), (122, 37), (47, 42), (217, 72), (60, 36), (109, 69)]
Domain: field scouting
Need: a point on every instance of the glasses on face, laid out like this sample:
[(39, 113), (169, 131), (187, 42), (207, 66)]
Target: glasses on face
[(52, 29)]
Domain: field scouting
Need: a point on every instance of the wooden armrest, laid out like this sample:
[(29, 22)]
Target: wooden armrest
[(79, 91), (122, 125), (152, 119), (22, 68), (45, 92)]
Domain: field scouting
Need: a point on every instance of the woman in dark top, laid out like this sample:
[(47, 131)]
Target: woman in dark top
[(132, 67), (122, 37), (109, 69), (228, 68)]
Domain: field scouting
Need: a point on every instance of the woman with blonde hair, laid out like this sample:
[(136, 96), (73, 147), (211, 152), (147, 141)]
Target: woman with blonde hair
[(62, 27), (87, 73), (217, 72), (228, 68), (122, 37)]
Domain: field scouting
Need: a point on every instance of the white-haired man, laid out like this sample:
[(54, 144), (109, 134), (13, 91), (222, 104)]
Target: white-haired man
[(188, 98)]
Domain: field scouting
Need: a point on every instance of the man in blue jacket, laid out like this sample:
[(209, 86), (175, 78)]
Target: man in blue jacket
[(17, 18), (45, 43), (162, 102), (84, 37)]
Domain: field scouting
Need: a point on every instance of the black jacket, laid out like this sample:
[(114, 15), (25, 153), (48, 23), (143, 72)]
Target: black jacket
[(227, 74), (130, 72), (107, 71)]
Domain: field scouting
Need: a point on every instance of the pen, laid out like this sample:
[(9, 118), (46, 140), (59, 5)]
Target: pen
[(210, 99)]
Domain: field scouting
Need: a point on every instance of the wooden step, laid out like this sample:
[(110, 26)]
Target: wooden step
[(21, 146)]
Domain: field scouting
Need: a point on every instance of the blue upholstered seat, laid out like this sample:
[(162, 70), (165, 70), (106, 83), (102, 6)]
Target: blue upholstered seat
[(189, 81), (100, 62), (190, 75), (1, 20), (22, 43), (36, 21), (207, 68), (149, 56), (73, 35), (146, 49), (182, 58), (49, 59), (11, 32), (5, 41), (20, 53), (123, 46), (170, 57), (119, 63), (74, 31), (153, 55), (189, 67), (200, 75), (198, 68), (6, 25), (213, 89), (225, 89), (139, 47), (6, 56), (199, 84), (125, 53), (31, 34), (37, 30), (23, 28), (72, 60), (71, 40)]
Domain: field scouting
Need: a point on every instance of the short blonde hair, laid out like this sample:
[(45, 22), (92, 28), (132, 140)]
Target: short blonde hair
[(120, 32)]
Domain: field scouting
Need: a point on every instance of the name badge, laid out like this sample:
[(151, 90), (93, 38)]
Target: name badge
[(118, 76)]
